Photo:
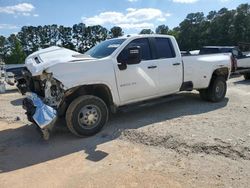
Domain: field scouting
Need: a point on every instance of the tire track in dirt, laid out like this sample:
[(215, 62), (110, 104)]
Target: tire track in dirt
[(221, 148)]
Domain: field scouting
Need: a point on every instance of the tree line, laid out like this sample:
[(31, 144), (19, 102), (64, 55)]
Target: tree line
[(223, 27)]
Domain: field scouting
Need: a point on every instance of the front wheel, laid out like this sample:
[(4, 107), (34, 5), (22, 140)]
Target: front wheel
[(86, 115), (216, 91)]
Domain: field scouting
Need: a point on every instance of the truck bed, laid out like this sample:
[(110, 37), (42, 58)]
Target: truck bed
[(196, 68)]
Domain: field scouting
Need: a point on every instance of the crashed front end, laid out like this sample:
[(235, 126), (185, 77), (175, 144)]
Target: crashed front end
[(44, 93)]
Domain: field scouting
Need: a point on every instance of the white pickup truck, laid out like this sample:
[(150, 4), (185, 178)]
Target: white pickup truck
[(85, 88)]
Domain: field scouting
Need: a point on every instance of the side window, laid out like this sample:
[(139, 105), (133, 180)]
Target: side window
[(145, 48), (164, 48), (240, 54), (235, 53)]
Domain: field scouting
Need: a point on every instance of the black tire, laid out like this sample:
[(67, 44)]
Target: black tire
[(247, 76), (79, 112), (216, 91)]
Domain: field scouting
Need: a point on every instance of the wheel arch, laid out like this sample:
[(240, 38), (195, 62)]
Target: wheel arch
[(99, 90), (224, 72)]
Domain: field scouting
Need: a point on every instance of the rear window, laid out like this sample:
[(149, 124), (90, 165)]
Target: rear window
[(209, 51), (226, 50), (164, 48)]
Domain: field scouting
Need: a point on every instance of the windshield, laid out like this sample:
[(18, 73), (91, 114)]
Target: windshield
[(105, 48)]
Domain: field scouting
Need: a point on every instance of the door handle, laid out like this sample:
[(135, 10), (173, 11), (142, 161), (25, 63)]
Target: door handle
[(176, 64), (152, 67)]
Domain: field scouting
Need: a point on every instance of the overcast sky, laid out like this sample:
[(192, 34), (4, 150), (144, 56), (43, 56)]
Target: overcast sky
[(131, 15)]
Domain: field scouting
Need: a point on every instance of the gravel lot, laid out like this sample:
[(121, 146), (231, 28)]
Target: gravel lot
[(176, 141)]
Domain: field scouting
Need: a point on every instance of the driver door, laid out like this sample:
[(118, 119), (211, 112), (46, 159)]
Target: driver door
[(138, 81)]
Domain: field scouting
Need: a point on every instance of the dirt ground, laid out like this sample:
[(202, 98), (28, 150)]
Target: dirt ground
[(176, 141)]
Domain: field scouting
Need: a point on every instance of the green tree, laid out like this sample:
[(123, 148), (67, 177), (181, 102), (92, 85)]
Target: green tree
[(116, 32), (65, 37), (16, 54), (3, 49), (223, 27), (189, 35), (92, 36), (241, 24), (146, 31), (27, 37), (162, 29), (79, 35), (211, 15), (174, 32)]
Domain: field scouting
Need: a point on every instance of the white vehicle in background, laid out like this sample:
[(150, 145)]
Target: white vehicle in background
[(10, 78), (246, 54), (85, 88), (2, 78), (188, 53), (242, 62), (194, 52)]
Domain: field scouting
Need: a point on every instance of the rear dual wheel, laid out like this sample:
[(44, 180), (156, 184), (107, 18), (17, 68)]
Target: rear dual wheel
[(216, 91), (247, 76)]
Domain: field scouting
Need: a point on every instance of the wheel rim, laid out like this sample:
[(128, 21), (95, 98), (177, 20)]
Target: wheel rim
[(219, 89), (89, 116)]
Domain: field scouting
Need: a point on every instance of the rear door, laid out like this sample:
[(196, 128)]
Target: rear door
[(169, 66)]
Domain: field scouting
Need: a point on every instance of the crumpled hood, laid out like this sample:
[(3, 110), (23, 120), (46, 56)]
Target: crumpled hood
[(39, 61)]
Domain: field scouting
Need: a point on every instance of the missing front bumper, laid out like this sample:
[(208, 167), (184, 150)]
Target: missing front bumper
[(39, 113)]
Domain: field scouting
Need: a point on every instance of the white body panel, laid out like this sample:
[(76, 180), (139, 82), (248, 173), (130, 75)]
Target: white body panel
[(134, 84), (77, 73), (243, 62), (200, 68), (137, 82), (49, 57)]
